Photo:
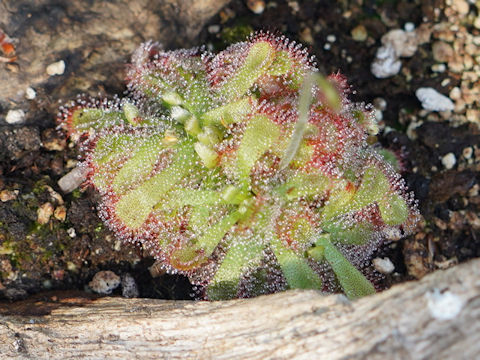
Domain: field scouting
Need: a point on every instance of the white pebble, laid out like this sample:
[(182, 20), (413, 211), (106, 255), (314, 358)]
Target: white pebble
[(30, 93), (409, 26), (386, 63), (449, 161), (444, 306), (56, 68), (404, 43), (15, 116), (104, 282), (213, 29), (331, 38), (384, 266), (72, 180), (432, 100), (71, 232), (439, 68)]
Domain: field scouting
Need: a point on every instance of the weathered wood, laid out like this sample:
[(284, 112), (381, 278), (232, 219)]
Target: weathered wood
[(435, 318)]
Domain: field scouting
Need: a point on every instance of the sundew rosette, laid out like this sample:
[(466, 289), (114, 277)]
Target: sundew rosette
[(246, 171)]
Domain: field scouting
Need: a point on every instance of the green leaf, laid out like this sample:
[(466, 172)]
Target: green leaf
[(394, 210), (139, 166), (260, 134), (352, 281), (295, 268), (229, 113), (374, 187), (131, 112), (301, 184), (86, 119), (259, 58), (134, 207), (339, 201), (358, 234), (207, 154), (241, 256)]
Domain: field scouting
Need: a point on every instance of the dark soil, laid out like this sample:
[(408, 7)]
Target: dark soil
[(65, 252)]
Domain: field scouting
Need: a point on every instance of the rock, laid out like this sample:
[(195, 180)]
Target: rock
[(386, 63), (473, 115), (455, 93), (44, 212), (404, 43), (56, 68), (384, 266), (256, 6), (432, 100), (60, 213), (30, 93), (442, 52), (449, 161), (129, 286), (409, 26), (461, 6), (16, 116), (72, 180), (7, 195), (71, 232), (104, 282), (359, 33)]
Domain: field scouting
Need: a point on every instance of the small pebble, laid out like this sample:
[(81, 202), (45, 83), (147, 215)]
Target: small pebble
[(432, 100), (449, 161), (386, 63), (476, 22), (405, 44), (214, 29), (104, 282), (331, 38), (60, 213), (129, 286), (56, 68), (359, 33), (467, 152), (380, 103), (384, 266), (461, 6), (71, 232), (44, 213), (7, 195), (72, 180), (409, 26), (15, 116), (256, 6), (439, 68), (442, 52), (30, 93), (455, 93)]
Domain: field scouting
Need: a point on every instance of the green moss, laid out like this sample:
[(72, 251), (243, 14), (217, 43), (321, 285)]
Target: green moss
[(236, 33)]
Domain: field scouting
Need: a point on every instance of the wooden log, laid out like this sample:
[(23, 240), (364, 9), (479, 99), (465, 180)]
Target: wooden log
[(437, 317)]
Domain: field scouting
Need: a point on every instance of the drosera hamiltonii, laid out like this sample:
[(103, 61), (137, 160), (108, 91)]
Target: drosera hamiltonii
[(247, 170)]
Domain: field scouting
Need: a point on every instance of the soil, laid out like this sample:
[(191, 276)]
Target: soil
[(51, 241)]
